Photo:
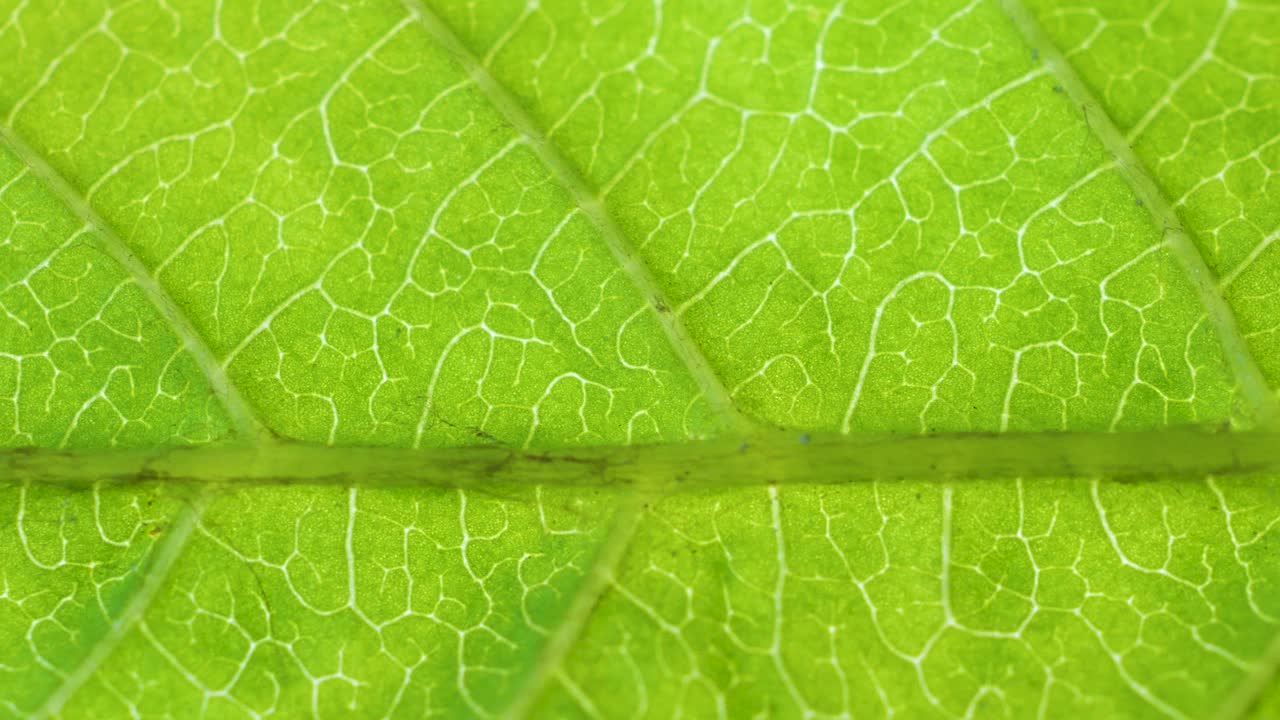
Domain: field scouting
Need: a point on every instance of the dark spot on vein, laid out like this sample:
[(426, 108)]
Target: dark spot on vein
[(600, 600), (1035, 53), (661, 306), (1058, 89), (148, 474), (804, 439)]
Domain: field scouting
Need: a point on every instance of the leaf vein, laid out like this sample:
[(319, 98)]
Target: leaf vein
[(589, 201), (1252, 384), (238, 409)]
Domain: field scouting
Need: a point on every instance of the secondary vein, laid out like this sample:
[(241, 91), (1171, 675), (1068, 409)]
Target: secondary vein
[(154, 574), (550, 662), (1243, 701), (240, 413), (589, 201), (1252, 384), (242, 418)]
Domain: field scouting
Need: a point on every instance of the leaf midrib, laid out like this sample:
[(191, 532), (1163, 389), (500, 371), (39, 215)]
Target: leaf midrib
[(767, 457), (1246, 371)]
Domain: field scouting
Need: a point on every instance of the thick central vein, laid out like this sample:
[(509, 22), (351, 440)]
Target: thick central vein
[(624, 252), (1252, 384), (765, 458), (238, 410)]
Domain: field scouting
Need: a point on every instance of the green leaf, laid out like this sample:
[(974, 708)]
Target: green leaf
[(623, 359)]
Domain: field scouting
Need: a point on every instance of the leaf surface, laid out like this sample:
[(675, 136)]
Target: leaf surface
[(545, 227)]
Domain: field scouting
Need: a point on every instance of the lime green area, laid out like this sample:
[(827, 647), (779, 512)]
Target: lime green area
[(85, 359), (887, 217), (920, 597), (1196, 87), (564, 230), (1040, 598), (373, 255)]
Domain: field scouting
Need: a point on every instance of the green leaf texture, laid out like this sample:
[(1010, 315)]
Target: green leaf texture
[(563, 226)]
